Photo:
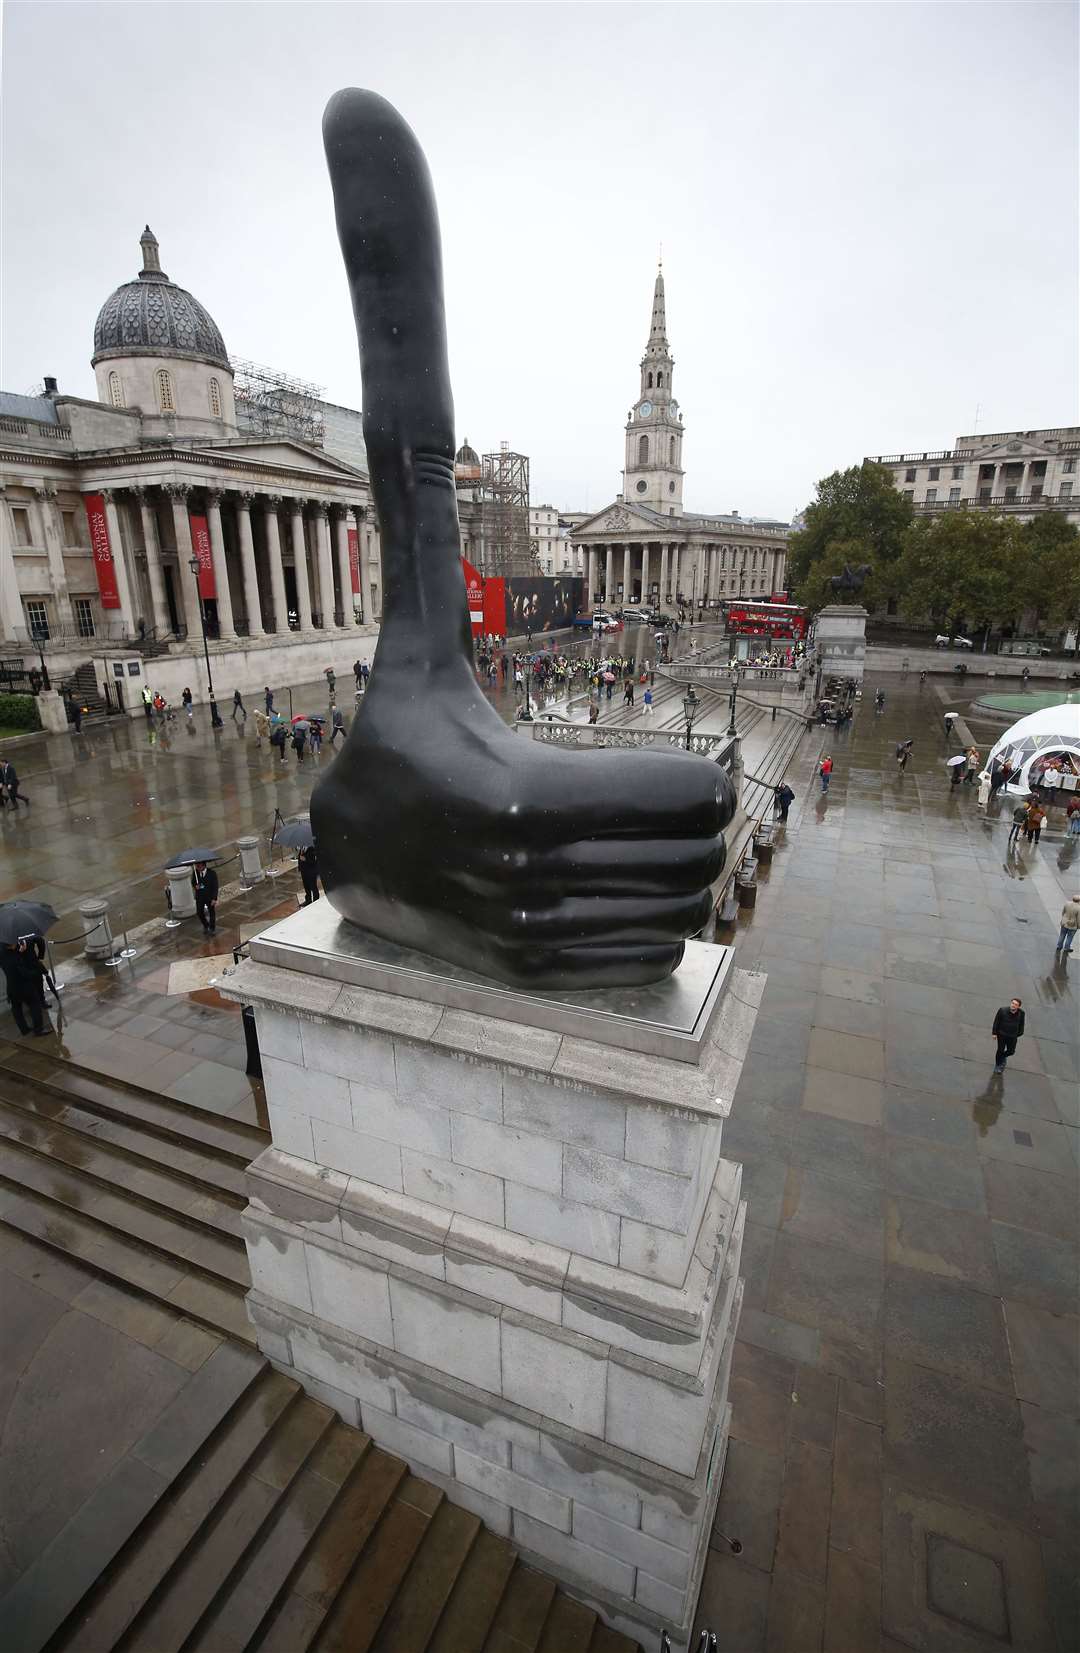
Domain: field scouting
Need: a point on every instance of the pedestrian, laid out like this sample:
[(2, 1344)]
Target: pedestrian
[(984, 792), (594, 711), (879, 701), (25, 980), (308, 862), (148, 703), (950, 719), (9, 786), (338, 722), (1019, 816), (186, 703), (646, 702), (826, 772), (278, 737), (971, 767), (204, 881), (298, 740), (268, 701), (1072, 816), (356, 673), (783, 797), (238, 706), (331, 682), (1007, 1029), (1070, 922), (1033, 821), (628, 692), (262, 726), (903, 753), (365, 672), (315, 737)]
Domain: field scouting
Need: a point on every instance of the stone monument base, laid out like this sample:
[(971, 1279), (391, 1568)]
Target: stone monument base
[(510, 1253), (840, 636)]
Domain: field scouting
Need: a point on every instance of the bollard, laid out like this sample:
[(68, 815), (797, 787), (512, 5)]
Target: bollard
[(94, 912), (183, 896), (251, 869)]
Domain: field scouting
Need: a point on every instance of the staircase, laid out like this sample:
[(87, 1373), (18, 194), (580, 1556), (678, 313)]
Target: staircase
[(85, 686), (248, 1516)]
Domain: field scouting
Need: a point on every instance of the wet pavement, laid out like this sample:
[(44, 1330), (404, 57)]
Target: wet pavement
[(903, 1466)]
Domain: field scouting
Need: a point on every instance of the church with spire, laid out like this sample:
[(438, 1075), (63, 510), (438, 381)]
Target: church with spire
[(645, 547)]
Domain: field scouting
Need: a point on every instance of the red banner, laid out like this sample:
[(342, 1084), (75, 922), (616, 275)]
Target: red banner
[(200, 543), (495, 606), (104, 566), (354, 561), (474, 591)]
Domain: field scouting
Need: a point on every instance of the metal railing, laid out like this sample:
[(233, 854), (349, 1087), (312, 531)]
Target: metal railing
[(582, 736), (1002, 502)]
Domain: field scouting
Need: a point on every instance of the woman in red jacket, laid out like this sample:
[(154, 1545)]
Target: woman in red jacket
[(825, 772)]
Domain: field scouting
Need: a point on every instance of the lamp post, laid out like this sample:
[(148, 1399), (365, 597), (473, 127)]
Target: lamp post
[(526, 716), (732, 730), (691, 707), (215, 716), (40, 637)]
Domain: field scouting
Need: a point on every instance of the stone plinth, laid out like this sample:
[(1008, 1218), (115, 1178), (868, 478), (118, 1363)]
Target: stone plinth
[(511, 1254), (840, 635)]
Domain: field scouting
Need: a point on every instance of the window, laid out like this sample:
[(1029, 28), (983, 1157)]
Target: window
[(84, 616), (1010, 493), (986, 473), (934, 472), (1014, 471), (1036, 490), (659, 381), (215, 399), (931, 496), (673, 450), (671, 487), (21, 518), (643, 450), (641, 487), (71, 528), (648, 382), (165, 391), (909, 493), (909, 474), (37, 616), (1065, 491), (1038, 468), (1069, 467), (954, 496), (116, 390), (957, 473), (984, 496)]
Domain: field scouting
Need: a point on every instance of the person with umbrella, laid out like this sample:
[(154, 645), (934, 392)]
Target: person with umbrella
[(278, 733), (204, 881), (957, 765), (299, 736), (308, 862), (21, 947)]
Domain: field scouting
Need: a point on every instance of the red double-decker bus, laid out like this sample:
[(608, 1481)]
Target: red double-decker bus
[(778, 621)]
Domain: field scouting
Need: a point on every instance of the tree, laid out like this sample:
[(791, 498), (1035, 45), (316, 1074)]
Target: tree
[(815, 590), (858, 507), (961, 567), (1050, 551)]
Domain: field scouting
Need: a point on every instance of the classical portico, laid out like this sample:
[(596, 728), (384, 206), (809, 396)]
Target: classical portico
[(632, 554)]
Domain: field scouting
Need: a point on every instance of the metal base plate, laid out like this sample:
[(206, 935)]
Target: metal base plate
[(667, 1018)]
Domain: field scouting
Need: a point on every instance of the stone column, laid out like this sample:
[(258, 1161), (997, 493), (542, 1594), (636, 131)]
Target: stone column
[(277, 567), (300, 565), (663, 573), (675, 573), (158, 601), (627, 575), (593, 567), (53, 539), (341, 540), (326, 566), (12, 619), (359, 515), (609, 574), (645, 573), (226, 624), (247, 557), (189, 588), (116, 545)]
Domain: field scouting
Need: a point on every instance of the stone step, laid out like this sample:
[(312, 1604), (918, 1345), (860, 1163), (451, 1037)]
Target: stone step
[(229, 1139), (481, 1584), (225, 1540), (117, 1258), (51, 1589), (123, 1592), (519, 1622), (107, 1166), (152, 1227), (202, 1170), (568, 1627), (353, 1623)]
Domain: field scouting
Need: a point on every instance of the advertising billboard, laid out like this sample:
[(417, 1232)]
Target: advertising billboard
[(542, 603)]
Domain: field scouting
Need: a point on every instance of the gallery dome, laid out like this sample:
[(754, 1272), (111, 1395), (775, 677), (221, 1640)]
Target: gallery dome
[(152, 316)]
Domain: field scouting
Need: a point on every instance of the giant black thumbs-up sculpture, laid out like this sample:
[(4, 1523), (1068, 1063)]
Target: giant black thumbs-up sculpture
[(437, 826)]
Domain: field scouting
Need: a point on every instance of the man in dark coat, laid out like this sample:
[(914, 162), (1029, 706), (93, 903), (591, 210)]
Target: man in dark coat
[(1007, 1029), (204, 881), (9, 786), (784, 798), (308, 861), (25, 985)]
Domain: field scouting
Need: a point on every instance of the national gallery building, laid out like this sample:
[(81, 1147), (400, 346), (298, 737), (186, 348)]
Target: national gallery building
[(118, 514)]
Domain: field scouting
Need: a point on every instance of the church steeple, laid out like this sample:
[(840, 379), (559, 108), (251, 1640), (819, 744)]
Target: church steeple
[(654, 431)]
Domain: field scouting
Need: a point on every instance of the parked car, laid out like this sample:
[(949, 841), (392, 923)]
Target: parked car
[(942, 642)]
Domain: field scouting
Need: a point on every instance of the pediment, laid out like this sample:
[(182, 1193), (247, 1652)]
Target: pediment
[(1014, 451), (295, 456), (618, 518)]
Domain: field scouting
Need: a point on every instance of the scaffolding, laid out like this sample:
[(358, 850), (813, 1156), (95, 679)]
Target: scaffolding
[(504, 500), (269, 403)]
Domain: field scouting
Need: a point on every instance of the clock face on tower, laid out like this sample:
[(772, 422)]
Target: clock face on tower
[(645, 409)]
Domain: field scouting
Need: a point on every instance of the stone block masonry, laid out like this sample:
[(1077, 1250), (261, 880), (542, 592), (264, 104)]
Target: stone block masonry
[(513, 1264)]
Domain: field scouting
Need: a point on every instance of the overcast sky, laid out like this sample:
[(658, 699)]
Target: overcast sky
[(868, 213)]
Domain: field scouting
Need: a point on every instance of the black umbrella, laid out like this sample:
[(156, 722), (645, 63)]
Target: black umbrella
[(22, 919), (188, 857), (295, 835)]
